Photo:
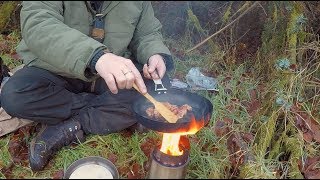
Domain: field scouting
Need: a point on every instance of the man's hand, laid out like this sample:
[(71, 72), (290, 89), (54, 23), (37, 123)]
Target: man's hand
[(156, 67), (119, 73)]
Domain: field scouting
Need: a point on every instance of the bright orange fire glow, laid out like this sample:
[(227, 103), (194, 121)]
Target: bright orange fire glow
[(170, 144), (170, 141)]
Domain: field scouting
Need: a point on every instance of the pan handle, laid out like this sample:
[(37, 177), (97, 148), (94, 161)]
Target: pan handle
[(159, 87)]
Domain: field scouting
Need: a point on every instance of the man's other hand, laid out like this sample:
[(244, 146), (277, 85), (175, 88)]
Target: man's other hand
[(119, 73), (156, 68)]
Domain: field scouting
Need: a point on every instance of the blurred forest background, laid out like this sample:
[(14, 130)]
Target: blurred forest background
[(265, 56)]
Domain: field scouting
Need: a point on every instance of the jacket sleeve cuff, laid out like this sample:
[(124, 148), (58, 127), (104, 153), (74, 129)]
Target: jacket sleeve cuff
[(168, 61), (91, 68)]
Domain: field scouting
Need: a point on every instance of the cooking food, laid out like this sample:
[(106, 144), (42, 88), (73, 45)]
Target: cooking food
[(179, 111), (91, 171)]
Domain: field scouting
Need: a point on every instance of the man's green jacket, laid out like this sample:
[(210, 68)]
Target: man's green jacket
[(56, 34)]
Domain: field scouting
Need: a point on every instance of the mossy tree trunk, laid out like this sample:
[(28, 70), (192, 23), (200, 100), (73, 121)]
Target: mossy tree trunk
[(283, 33)]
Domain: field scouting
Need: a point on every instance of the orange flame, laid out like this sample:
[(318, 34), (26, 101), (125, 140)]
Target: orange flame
[(170, 144), (193, 128), (170, 141)]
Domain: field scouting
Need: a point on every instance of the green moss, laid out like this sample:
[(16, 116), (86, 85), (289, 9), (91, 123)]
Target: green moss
[(255, 170), (266, 134), (6, 9), (294, 27), (292, 36), (294, 146), (277, 147), (273, 35), (226, 15)]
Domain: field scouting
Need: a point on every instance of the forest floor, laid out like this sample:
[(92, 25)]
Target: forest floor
[(264, 122)]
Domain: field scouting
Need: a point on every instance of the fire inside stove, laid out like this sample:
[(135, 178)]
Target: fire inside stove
[(169, 161), (170, 141)]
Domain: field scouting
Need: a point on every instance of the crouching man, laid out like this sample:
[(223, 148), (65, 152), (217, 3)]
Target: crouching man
[(81, 60)]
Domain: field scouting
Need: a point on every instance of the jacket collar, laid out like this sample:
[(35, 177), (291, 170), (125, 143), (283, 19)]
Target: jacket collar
[(107, 6)]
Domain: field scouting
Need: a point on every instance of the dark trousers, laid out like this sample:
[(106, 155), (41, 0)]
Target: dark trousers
[(39, 95)]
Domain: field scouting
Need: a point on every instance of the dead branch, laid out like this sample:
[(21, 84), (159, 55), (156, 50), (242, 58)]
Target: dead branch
[(224, 28)]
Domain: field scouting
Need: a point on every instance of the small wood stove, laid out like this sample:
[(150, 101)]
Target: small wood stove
[(166, 166)]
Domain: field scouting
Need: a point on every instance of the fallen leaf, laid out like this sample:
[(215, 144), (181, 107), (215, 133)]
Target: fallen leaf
[(208, 147), (233, 104), (248, 137), (126, 133), (261, 88), (228, 121), (252, 107), (307, 136), (123, 171), (227, 78), (130, 175), (254, 104), (134, 172), (253, 94), (293, 67), (148, 146), (7, 171), (73, 144), (309, 169), (18, 150), (315, 127), (235, 158), (313, 174), (93, 144), (112, 157), (306, 124), (221, 128), (238, 151), (17, 146), (58, 174)]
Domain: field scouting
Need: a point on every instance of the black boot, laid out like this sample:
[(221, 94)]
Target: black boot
[(50, 139)]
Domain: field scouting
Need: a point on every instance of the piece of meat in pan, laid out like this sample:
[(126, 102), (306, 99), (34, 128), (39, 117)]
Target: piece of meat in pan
[(179, 111)]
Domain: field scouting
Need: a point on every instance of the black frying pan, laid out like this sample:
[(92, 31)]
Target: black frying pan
[(201, 110)]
